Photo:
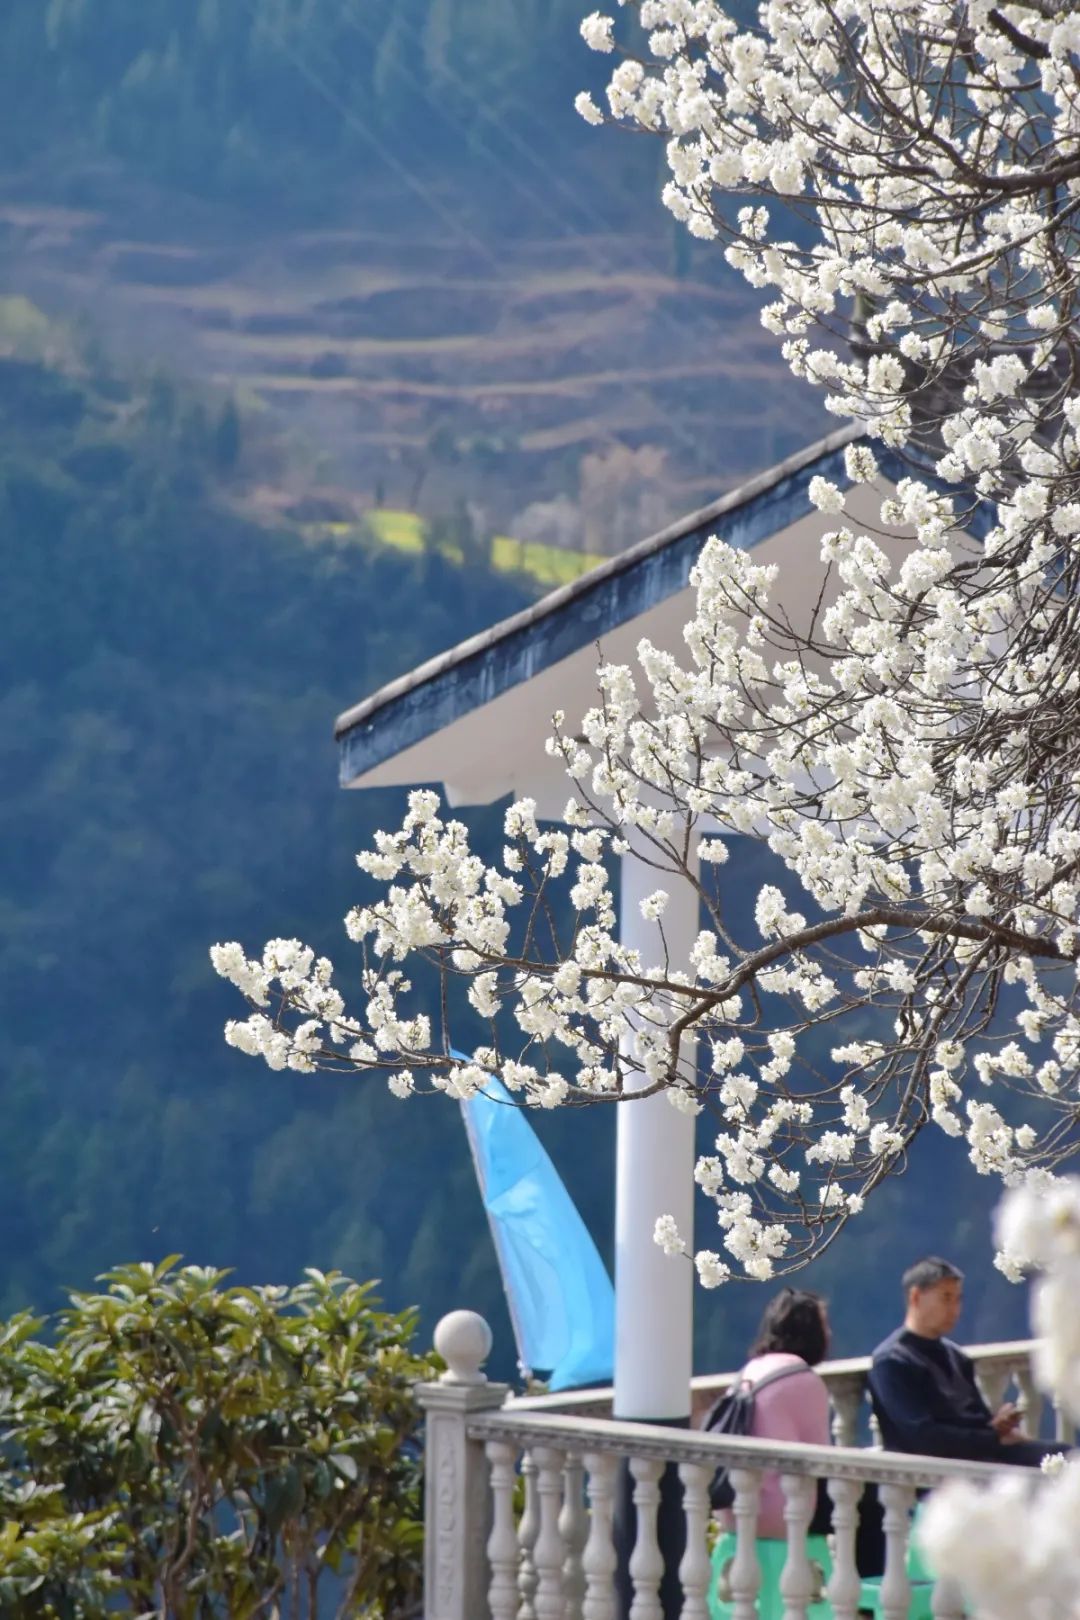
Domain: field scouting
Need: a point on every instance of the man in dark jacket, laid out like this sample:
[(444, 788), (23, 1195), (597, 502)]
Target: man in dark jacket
[(923, 1386)]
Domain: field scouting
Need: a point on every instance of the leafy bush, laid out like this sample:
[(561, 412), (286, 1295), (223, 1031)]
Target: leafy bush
[(189, 1450)]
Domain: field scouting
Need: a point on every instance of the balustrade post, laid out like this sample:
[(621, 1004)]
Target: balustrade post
[(898, 1501), (993, 1382), (599, 1558), (797, 1577), (528, 1530), (548, 1552), (573, 1528), (457, 1501), (847, 1394), (845, 1585), (745, 1577), (1030, 1403), (502, 1547), (1063, 1426), (646, 1560), (695, 1568)]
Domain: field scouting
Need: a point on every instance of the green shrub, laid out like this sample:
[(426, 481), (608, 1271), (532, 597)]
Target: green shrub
[(184, 1449)]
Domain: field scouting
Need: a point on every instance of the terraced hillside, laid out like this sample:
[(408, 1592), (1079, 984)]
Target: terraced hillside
[(571, 390)]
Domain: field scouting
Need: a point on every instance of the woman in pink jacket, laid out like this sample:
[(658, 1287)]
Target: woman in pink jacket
[(793, 1338), (792, 1405)]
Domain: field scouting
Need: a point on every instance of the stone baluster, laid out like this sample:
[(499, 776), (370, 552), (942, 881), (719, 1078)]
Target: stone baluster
[(847, 1395), (797, 1576), (573, 1529), (695, 1568), (946, 1601), (528, 1530), (898, 1501), (1063, 1428), (845, 1586), (599, 1559), (1030, 1402), (745, 1571), (502, 1547), (457, 1500), (548, 1551), (993, 1382), (646, 1560)]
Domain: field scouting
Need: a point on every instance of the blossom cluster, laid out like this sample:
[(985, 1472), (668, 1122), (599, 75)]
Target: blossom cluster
[(924, 141)]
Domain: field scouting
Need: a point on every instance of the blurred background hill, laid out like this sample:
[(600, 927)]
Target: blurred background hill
[(328, 335), (387, 225)]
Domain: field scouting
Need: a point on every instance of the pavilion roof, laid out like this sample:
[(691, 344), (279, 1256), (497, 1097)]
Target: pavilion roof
[(466, 717)]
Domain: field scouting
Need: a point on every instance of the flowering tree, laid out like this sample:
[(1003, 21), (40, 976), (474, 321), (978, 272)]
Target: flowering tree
[(909, 171)]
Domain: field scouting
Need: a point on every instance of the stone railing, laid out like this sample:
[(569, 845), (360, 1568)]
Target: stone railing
[(1000, 1369), (520, 1502)]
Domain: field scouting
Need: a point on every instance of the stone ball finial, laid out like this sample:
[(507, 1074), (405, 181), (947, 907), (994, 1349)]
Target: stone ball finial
[(463, 1339)]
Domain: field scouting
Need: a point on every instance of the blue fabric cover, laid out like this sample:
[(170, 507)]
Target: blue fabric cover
[(560, 1295)]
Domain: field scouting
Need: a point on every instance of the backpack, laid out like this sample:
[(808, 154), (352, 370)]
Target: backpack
[(733, 1413)]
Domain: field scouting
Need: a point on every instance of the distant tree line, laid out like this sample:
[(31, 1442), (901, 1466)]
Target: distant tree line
[(243, 95)]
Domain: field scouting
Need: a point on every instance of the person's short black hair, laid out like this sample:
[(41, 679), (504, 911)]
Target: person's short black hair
[(928, 1272), (793, 1322)]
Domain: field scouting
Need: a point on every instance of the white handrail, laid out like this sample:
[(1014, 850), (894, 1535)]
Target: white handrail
[(663, 1443), (1014, 1353)]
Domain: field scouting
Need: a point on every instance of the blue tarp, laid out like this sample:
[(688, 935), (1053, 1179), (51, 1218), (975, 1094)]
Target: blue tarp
[(560, 1296)]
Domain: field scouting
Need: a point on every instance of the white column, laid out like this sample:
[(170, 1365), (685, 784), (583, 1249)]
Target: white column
[(654, 1175)]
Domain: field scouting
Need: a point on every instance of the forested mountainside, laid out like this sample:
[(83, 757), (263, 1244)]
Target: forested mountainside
[(168, 674), (168, 678), (223, 93)]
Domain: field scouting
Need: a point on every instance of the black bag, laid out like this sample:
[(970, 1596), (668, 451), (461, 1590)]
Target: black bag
[(733, 1413)]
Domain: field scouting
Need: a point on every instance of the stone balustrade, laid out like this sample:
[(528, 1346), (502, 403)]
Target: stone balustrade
[(521, 1497), (1001, 1369)]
